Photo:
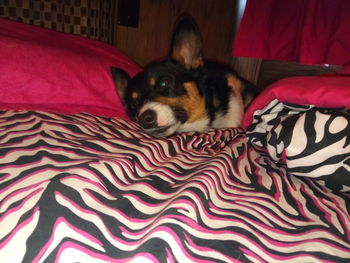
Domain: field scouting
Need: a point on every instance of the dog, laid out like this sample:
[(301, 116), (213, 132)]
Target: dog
[(184, 93)]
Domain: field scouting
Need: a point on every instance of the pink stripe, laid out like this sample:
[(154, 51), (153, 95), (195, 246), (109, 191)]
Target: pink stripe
[(88, 181), (12, 165), (282, 258), (49, 243), (61, 127), (279, 186), (316, 202), (11, 113), (170, 257), (124, 167), (85, 211), (328, 216), (27, 120), (24, 151), (301, 209), (157, 147), (21, 190), (148, 159), (173, 234), (343, 215), (194, 143), (208, 250), (252, 254), (163, 170), (19, 227), (139, 200), (138, 242), (216, 137), (268, 214), (238, 235), (213, 172), (4, 177), (181, 202), (289, 184), (115, 211), (213, 176), (40, 172), (76, 206), (136, 184), (254, 222), (305, 234), (95, 255), (260, 171), (23, 203), (182, 219), (242, 221)]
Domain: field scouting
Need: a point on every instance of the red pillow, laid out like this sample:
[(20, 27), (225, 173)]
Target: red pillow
[(42, 69)]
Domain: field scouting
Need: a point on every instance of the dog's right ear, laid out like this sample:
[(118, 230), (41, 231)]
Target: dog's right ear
[(121, 80), (186, 44)]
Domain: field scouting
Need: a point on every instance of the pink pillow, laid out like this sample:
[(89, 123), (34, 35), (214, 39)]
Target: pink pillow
[(42, 69), (328, 91)]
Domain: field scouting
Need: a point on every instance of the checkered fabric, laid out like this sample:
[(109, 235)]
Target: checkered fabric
[(89, 18)]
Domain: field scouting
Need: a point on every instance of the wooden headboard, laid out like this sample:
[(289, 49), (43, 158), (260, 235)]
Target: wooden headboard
[(273, 70)]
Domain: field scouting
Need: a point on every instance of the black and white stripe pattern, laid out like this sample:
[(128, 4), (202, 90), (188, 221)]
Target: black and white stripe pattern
[(313, 142)]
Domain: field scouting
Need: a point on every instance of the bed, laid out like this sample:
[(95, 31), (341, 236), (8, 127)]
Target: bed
[(80, 182)]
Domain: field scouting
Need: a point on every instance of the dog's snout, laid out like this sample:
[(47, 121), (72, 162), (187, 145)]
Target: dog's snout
[(148, 119)]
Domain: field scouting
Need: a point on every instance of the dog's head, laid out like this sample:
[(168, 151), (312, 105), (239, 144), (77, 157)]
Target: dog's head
[(165, 98)]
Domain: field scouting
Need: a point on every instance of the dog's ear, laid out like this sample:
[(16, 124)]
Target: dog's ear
[(186, 44), (121, 80)]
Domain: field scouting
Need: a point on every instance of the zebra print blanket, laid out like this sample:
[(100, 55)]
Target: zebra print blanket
[(312, 142), (304, 122), (81, 188)]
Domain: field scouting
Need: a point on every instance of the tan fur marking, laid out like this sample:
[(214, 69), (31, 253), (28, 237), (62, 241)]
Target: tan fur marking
[(177, 56), (152, 81), (193, 103), (121, 87), (134, 95), (197, 63), (235, 84), (188, 52)]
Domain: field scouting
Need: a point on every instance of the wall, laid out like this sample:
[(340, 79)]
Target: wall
[(216, 20)]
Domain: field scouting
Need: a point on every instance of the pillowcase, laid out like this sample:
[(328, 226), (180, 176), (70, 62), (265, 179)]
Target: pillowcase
[(43, 69)]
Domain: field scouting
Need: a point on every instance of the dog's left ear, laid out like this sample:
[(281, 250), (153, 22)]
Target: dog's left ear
[(186, 44), (121, 80)]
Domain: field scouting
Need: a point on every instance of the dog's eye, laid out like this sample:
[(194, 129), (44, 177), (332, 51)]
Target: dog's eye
[(165, 82)]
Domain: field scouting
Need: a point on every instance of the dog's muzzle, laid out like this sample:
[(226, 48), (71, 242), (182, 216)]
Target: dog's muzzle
[(158, 119)]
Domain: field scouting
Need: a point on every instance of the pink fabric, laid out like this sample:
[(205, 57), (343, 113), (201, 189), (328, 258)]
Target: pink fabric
[(42, 69), (321, 91), (309, 32)]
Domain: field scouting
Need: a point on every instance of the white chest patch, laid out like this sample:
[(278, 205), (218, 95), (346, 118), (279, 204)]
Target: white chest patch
[(200, 125), (234, 115)]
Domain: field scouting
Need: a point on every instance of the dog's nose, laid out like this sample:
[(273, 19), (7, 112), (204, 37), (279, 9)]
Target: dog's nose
[(148, 119)]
